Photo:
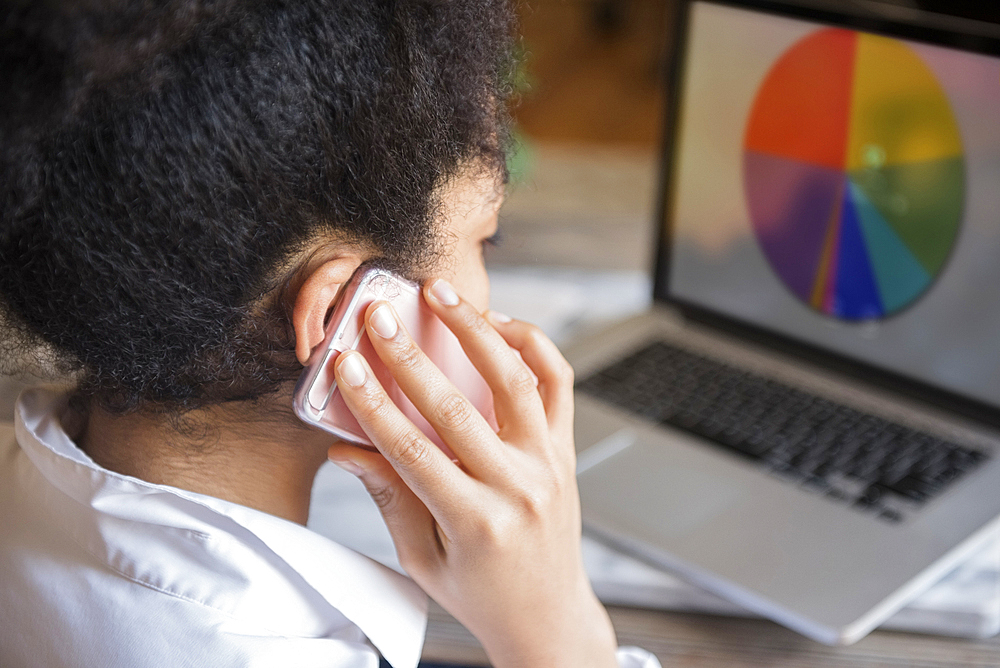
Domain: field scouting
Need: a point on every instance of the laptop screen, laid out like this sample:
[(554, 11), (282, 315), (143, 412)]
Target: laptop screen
[(841, 189)]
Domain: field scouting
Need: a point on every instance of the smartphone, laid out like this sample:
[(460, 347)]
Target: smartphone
[(317, 400)]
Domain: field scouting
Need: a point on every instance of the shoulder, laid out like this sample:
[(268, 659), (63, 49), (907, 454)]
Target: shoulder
[(90, 576)]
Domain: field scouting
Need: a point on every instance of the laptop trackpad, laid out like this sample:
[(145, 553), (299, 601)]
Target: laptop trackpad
[(654, 487)]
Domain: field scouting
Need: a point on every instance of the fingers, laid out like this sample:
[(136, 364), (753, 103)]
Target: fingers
[(421, 465), (409, 522), (516, 401), (453, 417), (554, 373)]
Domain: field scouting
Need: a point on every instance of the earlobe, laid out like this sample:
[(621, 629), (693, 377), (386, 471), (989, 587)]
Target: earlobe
[(318, 292)]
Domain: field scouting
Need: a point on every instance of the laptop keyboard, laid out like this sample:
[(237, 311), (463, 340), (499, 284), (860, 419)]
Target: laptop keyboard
[(878, 466)]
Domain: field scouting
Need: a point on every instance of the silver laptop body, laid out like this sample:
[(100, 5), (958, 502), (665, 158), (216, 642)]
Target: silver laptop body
[(826, 552)]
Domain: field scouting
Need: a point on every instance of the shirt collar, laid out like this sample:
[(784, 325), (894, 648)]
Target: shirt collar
[(219, 553)]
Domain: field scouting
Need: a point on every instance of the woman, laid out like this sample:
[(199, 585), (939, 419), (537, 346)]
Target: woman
[(185, 190)]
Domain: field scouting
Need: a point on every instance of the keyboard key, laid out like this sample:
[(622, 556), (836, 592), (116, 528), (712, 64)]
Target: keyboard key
[(840, 452)]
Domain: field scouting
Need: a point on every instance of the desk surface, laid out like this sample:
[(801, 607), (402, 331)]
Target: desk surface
[(706, 641)]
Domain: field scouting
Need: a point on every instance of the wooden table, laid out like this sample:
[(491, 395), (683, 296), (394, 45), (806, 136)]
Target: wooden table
[(708, 641)]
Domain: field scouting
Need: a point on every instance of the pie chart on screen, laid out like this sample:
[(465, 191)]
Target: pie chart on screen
[(854, 174)]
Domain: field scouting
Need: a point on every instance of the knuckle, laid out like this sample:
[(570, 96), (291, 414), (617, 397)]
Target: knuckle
[(521, 384), (453, 412), (408, 356), (384, 496), (546, 493), (411, 450), (472, 321), (534, 504), (523, 512), (374, 403), (495, 531)]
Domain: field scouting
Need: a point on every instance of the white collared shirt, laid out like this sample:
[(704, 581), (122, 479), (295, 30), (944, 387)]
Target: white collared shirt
[(102, 569)]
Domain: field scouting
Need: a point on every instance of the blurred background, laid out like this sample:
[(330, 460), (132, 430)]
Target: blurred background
[(592, 102), (583, 181)]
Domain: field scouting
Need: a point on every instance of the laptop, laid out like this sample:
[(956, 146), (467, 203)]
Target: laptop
[(807, 421)]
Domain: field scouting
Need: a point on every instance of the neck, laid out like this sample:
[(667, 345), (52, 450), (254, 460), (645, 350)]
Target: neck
[(266, 464)]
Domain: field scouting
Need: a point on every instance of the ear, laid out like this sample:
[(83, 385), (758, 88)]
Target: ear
[(314, 299)]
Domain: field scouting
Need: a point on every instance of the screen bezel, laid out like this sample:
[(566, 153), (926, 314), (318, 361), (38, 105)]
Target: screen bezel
[(889, 20)]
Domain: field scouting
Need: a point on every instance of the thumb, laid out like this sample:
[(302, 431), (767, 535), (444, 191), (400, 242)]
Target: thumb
[(410, 524)]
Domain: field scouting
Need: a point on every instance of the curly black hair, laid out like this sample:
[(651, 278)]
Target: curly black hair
[(162, 162)]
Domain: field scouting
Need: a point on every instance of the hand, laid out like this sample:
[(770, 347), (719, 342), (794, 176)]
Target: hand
[(495, 539)]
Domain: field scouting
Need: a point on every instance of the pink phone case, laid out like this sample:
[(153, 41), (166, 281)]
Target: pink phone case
[(317, 400)]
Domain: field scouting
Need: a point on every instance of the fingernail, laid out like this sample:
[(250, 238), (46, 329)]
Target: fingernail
[(444, 293), (349, 466), (352, 370), (496, 316), (383, 322)]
